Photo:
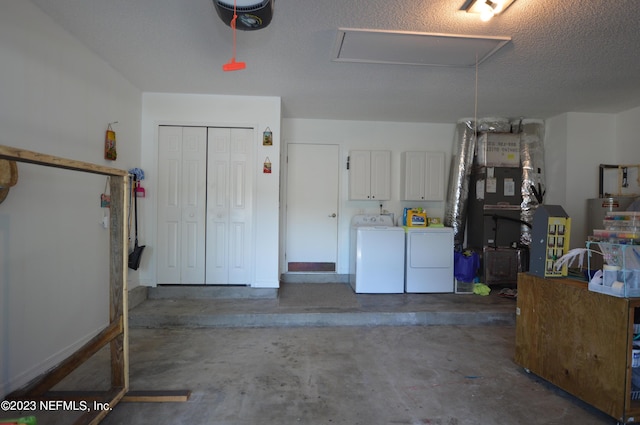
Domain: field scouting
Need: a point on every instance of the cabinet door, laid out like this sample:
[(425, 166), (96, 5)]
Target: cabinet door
[(422, 176), (434, 185), (360, 175), (413, 176), (381, 175)]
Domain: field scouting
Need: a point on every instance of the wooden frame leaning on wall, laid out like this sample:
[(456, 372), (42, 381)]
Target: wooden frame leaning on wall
[(116, 332)]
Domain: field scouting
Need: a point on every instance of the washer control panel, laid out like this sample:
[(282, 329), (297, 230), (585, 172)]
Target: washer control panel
[(372, 220)]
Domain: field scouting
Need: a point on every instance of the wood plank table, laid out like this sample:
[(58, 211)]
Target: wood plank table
[(578, 340)]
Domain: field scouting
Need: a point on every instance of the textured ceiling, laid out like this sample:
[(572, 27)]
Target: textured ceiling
[(564, 56)]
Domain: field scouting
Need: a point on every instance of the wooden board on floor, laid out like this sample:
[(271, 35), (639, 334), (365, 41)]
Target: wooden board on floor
[(156, 396)]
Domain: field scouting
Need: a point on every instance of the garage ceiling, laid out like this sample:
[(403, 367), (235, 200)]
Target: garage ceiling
[(563, 56)]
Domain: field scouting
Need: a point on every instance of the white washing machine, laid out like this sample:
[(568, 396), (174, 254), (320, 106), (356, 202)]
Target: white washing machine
[(429, 260), (376, 259)]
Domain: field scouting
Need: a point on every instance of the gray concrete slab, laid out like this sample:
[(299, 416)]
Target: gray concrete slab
[(323, 304), (321, 354), (446, 375)]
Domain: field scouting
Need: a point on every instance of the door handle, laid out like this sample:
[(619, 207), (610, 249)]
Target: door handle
[(333, 215)]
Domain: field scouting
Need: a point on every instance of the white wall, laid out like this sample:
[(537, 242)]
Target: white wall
[(350, 135), (221, 111), (57, 98), (575, 145), (628, 137)]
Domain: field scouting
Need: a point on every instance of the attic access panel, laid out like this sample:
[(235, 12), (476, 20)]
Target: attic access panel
[(414, 48)]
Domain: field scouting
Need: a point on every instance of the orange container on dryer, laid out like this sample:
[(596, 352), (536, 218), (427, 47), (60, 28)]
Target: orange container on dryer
[(416, 218)]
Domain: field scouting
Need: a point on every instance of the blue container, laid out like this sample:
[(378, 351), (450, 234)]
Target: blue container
[(465, 266)]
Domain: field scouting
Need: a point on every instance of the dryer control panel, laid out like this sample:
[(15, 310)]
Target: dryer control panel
[(359, 220)]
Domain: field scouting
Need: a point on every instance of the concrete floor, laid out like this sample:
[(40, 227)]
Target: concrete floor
[(343, 373), (323, 304)]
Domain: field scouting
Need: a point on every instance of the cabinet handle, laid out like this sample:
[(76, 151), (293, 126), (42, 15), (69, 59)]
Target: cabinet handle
[(332, 215)]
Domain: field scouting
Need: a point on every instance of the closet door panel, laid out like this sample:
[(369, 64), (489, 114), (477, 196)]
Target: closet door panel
[(194, 176), (241, 178), (229, 194), (169, 210), (217, 270), (181, 204)]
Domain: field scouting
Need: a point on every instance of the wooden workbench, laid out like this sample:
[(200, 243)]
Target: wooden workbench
[(578, 340)]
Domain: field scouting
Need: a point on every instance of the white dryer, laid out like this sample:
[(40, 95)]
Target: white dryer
[(376, 260), (429, 260)]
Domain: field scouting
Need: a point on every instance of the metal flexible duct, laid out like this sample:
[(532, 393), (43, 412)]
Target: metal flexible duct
[(532, 160), (455, 215)]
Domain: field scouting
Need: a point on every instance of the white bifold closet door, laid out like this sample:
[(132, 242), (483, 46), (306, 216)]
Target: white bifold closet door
[(229, 206), (182, 173), (205, 189)]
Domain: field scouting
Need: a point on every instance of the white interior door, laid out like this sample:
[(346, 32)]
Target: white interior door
[(312, 207), (229, 195), (181, 204)]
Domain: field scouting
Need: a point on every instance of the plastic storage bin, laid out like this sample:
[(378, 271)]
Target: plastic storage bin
[(464, 287), (620, 276), (619, 227)]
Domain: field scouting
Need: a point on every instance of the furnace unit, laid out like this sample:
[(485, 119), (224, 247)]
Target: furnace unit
[(495, 208)]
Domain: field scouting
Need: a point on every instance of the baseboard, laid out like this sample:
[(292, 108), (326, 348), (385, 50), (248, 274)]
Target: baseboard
[(314, 278), (23, 378), (137, 295)]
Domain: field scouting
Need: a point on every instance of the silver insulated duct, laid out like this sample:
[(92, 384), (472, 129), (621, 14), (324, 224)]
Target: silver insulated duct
[(532, 161), (531, 137), (455, 214)]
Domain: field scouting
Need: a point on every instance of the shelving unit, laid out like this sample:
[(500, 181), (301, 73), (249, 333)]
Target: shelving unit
[(578, 340)]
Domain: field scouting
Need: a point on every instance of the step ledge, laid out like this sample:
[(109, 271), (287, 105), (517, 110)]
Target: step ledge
[(323, 319), (178, 292)]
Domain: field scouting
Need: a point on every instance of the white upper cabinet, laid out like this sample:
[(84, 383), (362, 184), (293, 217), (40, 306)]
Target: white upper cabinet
[(370, 175), (422, 177)]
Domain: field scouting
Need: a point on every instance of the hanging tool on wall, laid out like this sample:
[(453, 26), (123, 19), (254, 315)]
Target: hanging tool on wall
[(138, 190), (136, 255), (8, 177), (105, 203), (110, 152)]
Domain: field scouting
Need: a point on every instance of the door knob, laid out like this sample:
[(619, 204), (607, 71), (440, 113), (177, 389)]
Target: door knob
[(332, 215)]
